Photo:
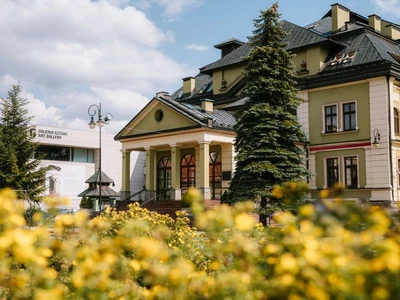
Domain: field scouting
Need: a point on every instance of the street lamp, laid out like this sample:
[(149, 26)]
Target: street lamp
[(94, 110)]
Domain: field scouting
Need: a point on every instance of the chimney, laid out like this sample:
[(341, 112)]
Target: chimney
[(375, 22), (207, 105), (228, 46), (391, 30), (340, 15), (188, 84)]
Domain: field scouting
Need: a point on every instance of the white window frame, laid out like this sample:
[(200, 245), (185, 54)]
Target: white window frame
[(342, 115), (339, 116), (326, 169), (324, 117), (343, 171)]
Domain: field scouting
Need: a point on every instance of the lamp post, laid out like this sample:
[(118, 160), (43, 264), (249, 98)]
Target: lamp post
[(94, 110)]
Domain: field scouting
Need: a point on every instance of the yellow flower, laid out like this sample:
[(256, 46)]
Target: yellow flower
[(277, 192), (324, 194), (289, 263), (244, 222), (307, 210), (287, 279)]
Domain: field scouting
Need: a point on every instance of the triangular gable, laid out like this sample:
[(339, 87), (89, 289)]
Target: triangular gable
[(148, 120)]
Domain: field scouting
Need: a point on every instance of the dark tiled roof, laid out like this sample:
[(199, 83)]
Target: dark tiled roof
[(355, 36), (228, 42), (384, 47), (95, 192), (236, 56), (95, 178), (202, 82), (220, 118), (236, 104), (370, 48), (323, 26), (298, 37)]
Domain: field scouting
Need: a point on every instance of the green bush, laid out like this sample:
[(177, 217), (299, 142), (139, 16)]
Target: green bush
[(86, 203), (329, 250)]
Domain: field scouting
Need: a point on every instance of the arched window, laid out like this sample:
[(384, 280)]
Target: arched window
[(163, 177), (188, 172), (215, 174), (396, 121)]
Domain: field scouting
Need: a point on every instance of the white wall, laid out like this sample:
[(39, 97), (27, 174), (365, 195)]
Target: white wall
[(72, 175)]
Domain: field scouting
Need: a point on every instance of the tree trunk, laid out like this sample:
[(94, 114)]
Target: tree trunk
[(263, 215)]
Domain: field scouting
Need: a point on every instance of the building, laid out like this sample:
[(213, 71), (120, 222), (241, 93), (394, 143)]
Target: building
[(347, 71), (75, 156)]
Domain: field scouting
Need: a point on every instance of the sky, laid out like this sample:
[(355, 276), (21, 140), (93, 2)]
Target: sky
[(70, 54)]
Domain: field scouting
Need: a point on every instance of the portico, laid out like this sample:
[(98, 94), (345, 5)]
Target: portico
[(184, 148)]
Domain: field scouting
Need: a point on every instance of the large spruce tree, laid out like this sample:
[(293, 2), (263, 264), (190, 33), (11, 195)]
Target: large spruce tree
[(267, 128), (19, 170)]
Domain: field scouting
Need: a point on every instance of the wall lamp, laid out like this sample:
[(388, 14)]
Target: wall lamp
[(377, 138)]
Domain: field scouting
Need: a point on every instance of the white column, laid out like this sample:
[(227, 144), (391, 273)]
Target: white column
[(205, 168)]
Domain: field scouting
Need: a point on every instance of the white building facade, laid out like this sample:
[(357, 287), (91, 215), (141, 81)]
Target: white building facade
[(75, 155)]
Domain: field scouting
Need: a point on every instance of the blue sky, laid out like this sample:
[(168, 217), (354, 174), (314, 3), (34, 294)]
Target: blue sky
[(69, 54)]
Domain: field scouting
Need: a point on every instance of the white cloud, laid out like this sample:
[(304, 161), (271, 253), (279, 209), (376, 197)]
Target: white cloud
[(68, 54), (121, 104), (197, 47), (390, 7)]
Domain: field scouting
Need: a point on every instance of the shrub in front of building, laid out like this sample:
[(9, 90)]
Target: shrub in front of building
[(328, 250)]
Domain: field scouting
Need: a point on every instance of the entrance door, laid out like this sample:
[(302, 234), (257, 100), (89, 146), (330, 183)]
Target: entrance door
[(163, 178), (215, 175), (188, 173)]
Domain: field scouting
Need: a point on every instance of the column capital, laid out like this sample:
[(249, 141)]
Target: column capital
[(203, 142), (175, 145), (148, 148), (125, 150)]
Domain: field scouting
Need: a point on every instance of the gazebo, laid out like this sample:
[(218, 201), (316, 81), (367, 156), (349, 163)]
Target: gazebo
[(99, 190)]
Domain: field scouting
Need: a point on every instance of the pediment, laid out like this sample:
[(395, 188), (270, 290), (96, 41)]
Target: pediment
[(155, 117)]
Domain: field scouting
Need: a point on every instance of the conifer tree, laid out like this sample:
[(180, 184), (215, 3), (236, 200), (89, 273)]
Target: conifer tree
[(267, 128), (19, 170)]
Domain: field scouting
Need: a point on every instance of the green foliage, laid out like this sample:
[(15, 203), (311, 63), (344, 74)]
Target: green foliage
[(86, 203), (18, 169), (29, 214), (268, 132), (329, 250)]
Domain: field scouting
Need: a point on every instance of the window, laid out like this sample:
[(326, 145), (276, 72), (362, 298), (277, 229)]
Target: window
[(398, 172), (215, 171), (53, 153), (350, 172), (340, 117), (159, 115), (330, 113), (188, 172), (349, 116), (83, 155), (332, 171), (396, 121), (343, 169), (60, 153), (164, 178)]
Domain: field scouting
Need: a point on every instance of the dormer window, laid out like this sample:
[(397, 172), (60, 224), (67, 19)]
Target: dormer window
[(342, 58), (337, 59), (349, 57)]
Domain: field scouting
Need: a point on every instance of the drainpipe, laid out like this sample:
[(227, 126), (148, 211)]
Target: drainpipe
[(307, 148), (390, 137)]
